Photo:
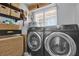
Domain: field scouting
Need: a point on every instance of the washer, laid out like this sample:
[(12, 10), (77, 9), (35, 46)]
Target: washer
[(35, 41), (62, 41)]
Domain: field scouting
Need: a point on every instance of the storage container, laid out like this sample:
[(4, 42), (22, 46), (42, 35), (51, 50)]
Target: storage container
[(4, 10), (15, 13)]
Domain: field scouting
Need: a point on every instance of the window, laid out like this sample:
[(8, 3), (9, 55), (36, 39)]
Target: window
[(39, 18), (46, 16), (51, 16)]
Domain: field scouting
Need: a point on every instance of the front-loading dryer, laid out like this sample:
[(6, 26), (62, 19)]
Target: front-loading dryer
[(62, 41), (35, 41)]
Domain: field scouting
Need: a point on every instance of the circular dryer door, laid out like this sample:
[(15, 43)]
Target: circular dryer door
[(60, 44), (34, 41)]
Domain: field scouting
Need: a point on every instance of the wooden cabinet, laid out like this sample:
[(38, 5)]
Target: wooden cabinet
[(42, 4), (25, 42), (4, 10), (32, 6), (11, 46)]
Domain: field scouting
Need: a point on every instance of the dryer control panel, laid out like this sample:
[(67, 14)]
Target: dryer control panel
[(69, 27)]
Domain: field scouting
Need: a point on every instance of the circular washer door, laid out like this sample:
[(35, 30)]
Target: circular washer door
[(60, 44), (34, 41)]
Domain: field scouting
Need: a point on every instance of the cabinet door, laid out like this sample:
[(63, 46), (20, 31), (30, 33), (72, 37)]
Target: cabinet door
[(11, 46)]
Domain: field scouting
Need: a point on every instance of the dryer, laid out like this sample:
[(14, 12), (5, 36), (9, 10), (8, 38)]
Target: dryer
[(35, 41), (62, 41)]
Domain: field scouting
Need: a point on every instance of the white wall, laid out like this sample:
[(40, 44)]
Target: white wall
[(77, 14), (66, 13)]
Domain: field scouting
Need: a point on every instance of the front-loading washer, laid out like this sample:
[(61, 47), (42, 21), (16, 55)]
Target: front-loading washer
[(35, 41), (61, 41)]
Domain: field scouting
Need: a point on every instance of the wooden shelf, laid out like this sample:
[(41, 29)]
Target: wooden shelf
[(10, 6), (8, 16), (9, 27)]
